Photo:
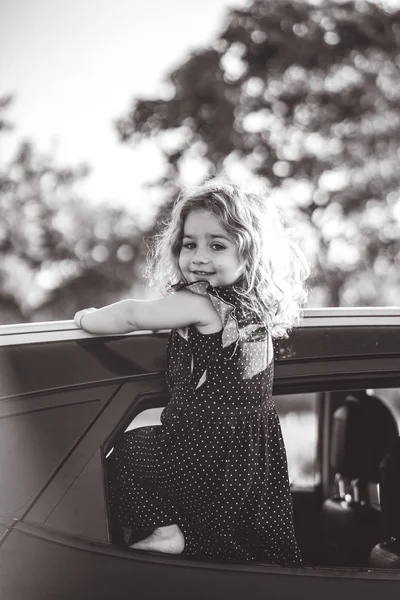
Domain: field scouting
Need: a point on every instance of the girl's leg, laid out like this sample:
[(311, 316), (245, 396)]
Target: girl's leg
[(168, 539), (138, 506), (141, 514)]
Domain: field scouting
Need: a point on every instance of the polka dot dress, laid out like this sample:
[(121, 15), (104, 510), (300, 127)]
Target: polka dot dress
[(216, 465)]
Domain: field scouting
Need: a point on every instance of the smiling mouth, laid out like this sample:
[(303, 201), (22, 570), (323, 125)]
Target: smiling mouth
[(203, 273)]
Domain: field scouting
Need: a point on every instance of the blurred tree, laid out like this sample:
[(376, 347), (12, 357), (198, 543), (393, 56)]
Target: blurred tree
[(306, 95), (58, 252)]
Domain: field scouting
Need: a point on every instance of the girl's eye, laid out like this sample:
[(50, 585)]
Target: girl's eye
[(191, 245)]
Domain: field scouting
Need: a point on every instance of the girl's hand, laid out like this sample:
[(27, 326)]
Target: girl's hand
[(111, 319), (80, 314)]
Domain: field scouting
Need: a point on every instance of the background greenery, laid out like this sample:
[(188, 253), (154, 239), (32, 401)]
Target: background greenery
[(304, 94)]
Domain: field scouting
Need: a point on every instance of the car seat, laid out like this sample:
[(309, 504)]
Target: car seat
[(386, 554), (364, 429)]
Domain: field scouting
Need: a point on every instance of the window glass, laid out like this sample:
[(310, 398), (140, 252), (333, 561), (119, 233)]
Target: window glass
[(298, 417), (146, 418), (391, 397)]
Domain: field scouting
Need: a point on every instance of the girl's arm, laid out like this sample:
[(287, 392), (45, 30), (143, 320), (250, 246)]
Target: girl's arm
[(177, 310)]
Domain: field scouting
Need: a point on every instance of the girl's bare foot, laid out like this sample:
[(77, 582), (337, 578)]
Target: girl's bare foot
[(168, 539)]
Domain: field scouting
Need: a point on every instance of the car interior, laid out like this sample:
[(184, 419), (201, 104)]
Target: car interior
[(364, 434)]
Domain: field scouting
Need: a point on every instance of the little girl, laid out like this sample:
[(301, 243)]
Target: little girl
[(211, 481)]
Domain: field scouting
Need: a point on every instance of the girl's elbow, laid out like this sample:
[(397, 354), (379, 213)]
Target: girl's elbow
[(132, 319), (131, 326)]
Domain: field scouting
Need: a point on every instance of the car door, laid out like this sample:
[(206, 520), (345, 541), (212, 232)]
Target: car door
[(64, 396)]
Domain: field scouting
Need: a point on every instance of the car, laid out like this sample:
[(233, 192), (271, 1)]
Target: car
[(66, 395)]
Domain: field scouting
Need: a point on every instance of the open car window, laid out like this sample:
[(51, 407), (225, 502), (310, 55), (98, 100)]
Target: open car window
[(299, 423), (391, 397)]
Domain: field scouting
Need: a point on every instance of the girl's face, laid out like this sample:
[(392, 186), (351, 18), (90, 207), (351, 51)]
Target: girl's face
[(208, 251)]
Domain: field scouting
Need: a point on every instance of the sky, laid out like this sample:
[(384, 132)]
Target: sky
[(74, 67)]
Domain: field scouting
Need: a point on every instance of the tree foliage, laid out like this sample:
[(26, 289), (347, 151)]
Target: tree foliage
[(307, 96), (58, 251)]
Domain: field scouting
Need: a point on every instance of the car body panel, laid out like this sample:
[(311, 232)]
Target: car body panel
[(65, 394), (79, 570)]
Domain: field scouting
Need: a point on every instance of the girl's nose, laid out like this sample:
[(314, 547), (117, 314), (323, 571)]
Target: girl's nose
[(200, 256)]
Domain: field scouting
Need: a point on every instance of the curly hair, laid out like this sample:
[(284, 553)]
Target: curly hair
[(273, 282)]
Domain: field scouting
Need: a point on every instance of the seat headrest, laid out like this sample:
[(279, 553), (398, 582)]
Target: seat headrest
[(364, 430), (389, 492)]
